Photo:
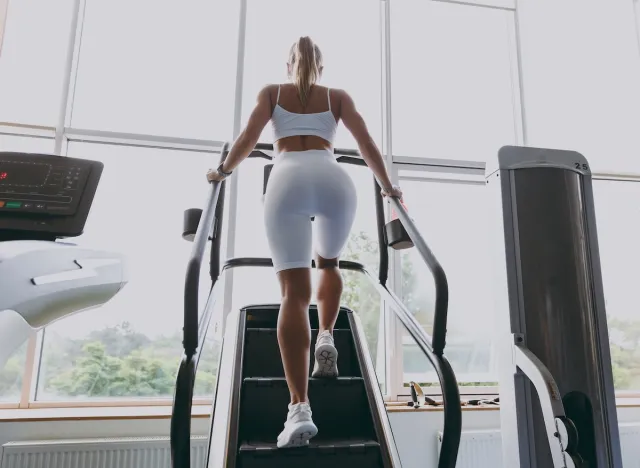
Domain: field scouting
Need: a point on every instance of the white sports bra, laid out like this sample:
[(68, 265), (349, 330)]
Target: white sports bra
[(321, 124)]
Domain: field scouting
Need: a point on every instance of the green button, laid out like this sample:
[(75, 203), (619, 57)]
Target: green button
[(13, 204)]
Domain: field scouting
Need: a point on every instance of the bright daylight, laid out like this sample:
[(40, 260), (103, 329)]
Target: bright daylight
[(297, 233)]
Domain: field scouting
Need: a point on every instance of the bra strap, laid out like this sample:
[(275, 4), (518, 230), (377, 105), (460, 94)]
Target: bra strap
[(329, 97), (278, 98)]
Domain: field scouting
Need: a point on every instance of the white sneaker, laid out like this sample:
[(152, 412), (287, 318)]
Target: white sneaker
[(298, 428), (326, 356)]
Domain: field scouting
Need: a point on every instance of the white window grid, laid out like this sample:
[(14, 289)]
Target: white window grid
[(63, 133)]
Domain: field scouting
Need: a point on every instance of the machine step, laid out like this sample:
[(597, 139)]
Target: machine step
[(340, 408), (262, 353), (347, 453)]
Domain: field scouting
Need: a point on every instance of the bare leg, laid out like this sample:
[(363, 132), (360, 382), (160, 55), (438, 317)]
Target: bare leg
[(329, 292), (294, 331)]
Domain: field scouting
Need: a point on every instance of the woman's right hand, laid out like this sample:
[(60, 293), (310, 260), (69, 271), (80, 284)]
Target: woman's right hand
[(393, 191)]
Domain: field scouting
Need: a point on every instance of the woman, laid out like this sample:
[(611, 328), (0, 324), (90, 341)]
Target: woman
[(306, 181)]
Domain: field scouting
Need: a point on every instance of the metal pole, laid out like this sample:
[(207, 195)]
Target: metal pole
[(75, 31), (234, 181), (4, 7)]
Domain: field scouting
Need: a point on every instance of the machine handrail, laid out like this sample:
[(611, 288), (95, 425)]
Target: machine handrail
[(192, 279), (439, 338), (349, 156), (194, 331), (450, 394)]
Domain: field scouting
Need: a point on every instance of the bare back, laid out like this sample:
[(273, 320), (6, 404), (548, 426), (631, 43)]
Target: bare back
[(290, 102)]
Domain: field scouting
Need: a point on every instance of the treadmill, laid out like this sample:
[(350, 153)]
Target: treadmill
[(44, 198), (251, 395)]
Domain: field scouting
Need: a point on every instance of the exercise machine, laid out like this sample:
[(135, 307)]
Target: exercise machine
[(556, 384), (251, 396), (44, 198)]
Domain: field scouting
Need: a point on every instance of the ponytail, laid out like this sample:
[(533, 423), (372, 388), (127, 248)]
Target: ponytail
[(306, 60)]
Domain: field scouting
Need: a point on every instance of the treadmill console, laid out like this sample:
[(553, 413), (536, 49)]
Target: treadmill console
[(44, 196)]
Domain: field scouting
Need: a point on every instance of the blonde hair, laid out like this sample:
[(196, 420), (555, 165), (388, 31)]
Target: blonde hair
[(305, 60)]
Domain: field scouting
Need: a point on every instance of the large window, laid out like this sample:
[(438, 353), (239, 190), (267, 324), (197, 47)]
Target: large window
[(148, 73), (352, 61), (11, 376), (130, 347), (451, 80), (590, 103), (451, 217), (24, 144), (160, 68), (618, 218), (32, 63)]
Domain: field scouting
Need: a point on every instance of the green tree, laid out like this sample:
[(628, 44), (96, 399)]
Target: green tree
[(625, 353), (361, 296)]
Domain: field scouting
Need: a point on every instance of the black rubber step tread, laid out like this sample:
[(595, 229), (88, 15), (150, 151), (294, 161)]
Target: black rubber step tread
[(319, 454), (340, 408), (262, 354), (266, 316)]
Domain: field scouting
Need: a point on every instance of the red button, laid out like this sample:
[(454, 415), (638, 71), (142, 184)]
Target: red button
[(1, 204)]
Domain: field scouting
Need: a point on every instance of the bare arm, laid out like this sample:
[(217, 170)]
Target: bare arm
[(246, 141), (354, 122)]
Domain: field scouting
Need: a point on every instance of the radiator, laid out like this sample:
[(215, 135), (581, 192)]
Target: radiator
[(478, 449), (483, 449), (148, 452)]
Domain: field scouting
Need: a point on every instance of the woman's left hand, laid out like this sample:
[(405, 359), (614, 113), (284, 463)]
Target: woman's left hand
[(214, 176)]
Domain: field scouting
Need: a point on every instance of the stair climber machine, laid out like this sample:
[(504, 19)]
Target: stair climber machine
[(556, 384), (251, 395), (44, 198)]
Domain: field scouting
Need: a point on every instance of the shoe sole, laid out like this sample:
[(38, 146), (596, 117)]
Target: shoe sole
[(300, 436), (327, 361)]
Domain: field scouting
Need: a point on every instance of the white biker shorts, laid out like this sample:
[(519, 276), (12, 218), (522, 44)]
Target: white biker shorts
[(303, 184)]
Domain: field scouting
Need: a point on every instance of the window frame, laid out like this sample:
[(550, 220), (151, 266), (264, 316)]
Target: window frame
[(431, 170), (63, 133)]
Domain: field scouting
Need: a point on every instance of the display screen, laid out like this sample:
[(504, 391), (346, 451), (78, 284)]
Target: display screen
[(13, 173)]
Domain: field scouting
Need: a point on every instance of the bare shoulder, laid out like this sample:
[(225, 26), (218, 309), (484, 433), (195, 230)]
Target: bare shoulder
[(269, 89)]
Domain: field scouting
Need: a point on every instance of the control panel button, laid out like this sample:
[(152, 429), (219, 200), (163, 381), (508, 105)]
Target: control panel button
[(40, 206), (1, 204), (13, 204), (27, 206)]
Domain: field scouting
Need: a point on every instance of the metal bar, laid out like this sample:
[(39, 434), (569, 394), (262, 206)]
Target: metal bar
[(383, 266), (439, 277), (549, 397), (518, 42), (388, 328), (30, 371), (41, 129), (446, 163), (506, 5), (337, 151), (235, 181), (636, 11), (4, 7), (450, 394), (264, 262), (443, 180), (138, 139), (192, 279), (516, 81), (66, 85)]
